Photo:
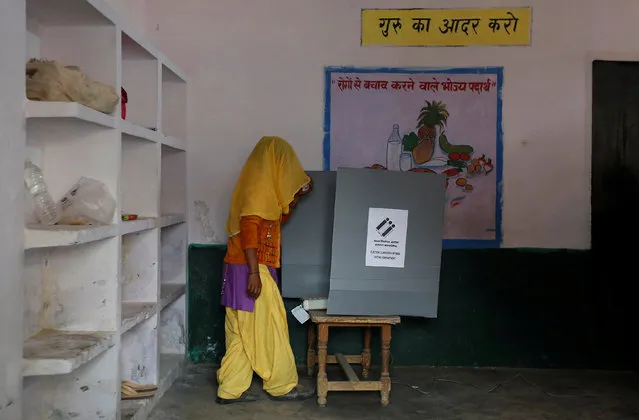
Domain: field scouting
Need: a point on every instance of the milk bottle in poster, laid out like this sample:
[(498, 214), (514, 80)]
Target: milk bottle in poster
[(393, 149)]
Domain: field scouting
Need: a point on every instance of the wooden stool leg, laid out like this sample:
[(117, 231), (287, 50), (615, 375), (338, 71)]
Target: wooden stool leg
[(385, 379), (366, 354), (311, 354), (322, 379)]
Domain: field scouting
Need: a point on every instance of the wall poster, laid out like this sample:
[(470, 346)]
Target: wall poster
[(445, 121)]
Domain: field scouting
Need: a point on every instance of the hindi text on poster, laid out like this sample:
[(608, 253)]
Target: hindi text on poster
[(433, 85), (446, 27)]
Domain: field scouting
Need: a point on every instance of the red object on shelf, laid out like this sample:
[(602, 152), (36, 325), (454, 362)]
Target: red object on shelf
[(123, 101)]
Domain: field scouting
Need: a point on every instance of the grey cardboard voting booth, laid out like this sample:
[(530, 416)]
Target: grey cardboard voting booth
[(387, 243), (307, 239)]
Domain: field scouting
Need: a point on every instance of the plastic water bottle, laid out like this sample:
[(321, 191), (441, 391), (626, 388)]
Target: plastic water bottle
[(393, 149), (46, 209)]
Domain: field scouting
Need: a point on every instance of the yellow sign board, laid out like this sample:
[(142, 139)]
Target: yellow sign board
[(446, 27)]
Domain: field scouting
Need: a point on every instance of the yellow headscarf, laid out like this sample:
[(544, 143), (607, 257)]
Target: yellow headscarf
[(271, 177)]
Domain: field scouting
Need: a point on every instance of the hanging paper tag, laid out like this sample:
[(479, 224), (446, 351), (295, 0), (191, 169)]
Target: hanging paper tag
[(300, 314)]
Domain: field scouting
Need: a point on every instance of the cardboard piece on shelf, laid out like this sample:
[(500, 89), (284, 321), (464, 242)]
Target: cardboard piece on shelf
[(387, 243), (307, 239)]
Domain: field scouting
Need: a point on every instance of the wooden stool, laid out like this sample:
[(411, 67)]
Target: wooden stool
[(323, 322)]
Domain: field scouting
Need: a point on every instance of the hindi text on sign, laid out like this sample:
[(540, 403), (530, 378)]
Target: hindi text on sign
[(413, 27)]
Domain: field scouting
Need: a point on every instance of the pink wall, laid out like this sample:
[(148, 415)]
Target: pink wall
[(256, 68)]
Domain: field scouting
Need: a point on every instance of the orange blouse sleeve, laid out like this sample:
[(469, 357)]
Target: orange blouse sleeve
[(249, 231)]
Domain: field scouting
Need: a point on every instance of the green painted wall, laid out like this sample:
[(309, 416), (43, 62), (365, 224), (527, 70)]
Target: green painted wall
[(498, 307)]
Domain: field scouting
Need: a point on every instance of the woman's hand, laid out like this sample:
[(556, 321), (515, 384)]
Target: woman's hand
[(254, 285)]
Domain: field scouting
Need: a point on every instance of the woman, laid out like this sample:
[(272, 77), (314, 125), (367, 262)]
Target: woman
[(257, 340)]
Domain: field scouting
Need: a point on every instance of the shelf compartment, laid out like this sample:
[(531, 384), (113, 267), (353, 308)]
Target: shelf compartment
[(171, 219), (88, 392), (140, 266), (139, 225), (173, 104), (139, 353), (173, 243), (171, 367), (170, 292), (70, 112), (54, 352), (174, 143), (36, 236), (139, 132), (144, 43), (71, 288), (146, 223), (140, 79), (173, 181), (173, 327), (69, 12), (75, 33), (134, 313), (65, 153), (140, 185)]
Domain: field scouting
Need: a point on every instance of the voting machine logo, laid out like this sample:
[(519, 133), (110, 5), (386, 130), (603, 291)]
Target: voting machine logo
[(385, 227)]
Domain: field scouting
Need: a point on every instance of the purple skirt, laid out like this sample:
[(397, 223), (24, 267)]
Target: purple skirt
[(235, 284)]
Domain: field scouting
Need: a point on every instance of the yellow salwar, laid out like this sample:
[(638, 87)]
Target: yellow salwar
[(258, 342)]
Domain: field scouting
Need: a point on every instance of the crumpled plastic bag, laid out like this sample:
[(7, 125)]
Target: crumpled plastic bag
[(89, 202)]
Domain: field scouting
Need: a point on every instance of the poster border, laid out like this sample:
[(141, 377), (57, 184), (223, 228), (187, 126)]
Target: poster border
[(499, 71)]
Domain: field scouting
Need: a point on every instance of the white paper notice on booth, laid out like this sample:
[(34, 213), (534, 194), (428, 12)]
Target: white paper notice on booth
[(386, 237)]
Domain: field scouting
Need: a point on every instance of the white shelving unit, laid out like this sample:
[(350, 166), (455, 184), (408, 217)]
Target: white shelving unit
[(105, 304)]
